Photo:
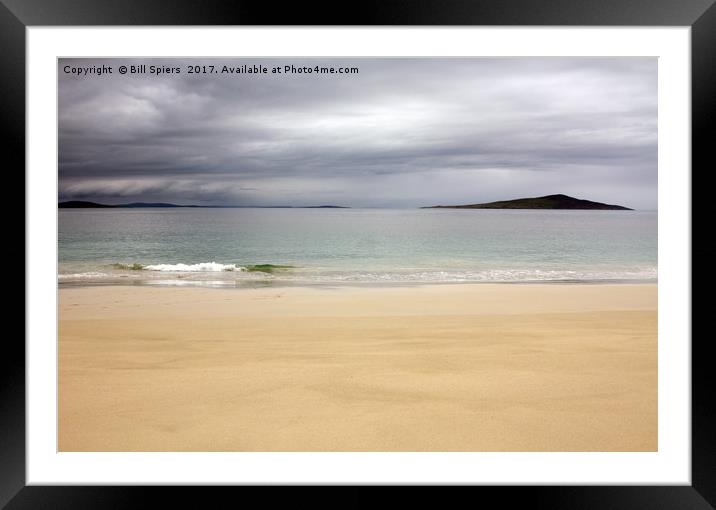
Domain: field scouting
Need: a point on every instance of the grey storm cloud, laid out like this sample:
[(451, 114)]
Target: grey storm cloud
[(402, 132)]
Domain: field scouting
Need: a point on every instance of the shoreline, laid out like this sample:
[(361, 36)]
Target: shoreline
[(471, 367), (250, 284)]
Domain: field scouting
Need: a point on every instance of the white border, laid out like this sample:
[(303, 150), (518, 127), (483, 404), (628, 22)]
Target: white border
[(670, 465)]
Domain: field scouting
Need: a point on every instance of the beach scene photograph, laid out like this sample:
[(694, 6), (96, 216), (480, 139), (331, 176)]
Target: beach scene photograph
[(357, 254)]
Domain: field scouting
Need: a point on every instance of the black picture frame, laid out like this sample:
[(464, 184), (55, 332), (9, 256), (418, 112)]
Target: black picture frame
[(700, 15)]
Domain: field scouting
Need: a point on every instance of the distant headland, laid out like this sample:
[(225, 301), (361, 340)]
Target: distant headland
[(547, 202), (81, 204)]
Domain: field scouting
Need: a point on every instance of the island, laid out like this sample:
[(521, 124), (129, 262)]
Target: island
[(547, 202), (81, 204), (323, 207)]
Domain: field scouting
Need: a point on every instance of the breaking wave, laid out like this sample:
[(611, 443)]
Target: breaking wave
[(205, 272), (203, 267)]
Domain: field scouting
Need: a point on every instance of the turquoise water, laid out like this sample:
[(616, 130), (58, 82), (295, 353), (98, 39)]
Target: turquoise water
[(220, 247)]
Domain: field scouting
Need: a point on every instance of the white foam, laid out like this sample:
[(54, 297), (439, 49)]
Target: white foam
[(88, 275), (203, 267), (191, 283), (495, 275), (199, 274)]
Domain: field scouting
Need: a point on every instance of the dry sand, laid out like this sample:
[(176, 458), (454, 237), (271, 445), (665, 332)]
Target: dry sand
[(435, 368)]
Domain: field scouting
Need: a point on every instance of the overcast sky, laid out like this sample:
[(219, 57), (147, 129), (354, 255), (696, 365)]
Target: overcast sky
[(401, 133)]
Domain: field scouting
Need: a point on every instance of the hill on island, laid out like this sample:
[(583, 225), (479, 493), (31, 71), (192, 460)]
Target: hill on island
[(547, 202)]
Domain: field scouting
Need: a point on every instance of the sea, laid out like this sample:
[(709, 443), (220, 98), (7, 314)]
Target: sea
[(252, 247)]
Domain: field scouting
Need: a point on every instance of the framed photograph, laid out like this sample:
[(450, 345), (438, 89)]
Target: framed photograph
[(437, 244)]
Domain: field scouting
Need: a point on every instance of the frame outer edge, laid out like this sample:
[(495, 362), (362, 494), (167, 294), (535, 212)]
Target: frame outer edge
[(703, 127), (12, 129), (12, 357)]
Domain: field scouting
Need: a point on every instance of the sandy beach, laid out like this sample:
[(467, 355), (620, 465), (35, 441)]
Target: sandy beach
[(473, 367)]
